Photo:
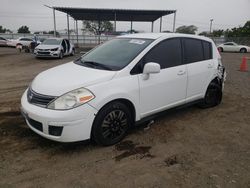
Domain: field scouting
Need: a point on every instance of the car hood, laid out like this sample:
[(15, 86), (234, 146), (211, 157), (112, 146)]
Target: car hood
[(43, 46), (64, 78)]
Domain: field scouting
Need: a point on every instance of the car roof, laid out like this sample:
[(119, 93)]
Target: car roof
[(162, 35)]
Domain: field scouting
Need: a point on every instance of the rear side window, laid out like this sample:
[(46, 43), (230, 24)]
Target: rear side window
[(167, 53), (207, 48), (193, 50)]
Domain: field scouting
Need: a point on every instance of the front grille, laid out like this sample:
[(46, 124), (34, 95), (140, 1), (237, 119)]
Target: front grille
[(39, 99), (43, 53), (35, 124)]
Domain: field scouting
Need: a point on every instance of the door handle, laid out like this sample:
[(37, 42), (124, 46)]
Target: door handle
[(181, 72)]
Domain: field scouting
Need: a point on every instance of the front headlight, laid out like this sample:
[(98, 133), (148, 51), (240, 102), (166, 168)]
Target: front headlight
[(54, 49), (72, 99)]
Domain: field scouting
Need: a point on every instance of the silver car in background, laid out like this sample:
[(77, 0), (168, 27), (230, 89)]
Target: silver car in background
[(54, 47)]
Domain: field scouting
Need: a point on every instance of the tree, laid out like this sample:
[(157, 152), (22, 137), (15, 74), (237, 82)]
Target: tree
[(191, 29), (2, 30), (239, 32), (93, 26), (204, 33), (218, 33), (23, 29)]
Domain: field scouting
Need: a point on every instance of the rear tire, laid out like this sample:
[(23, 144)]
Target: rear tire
[(243, 50), (213, 96), (111, 124), (73, 52)]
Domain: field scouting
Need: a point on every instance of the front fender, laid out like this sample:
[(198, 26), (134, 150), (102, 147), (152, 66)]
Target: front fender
[(119, 88)]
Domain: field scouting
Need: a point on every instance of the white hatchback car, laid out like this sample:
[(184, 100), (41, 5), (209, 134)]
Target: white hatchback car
[(123, 81), (233, 47)]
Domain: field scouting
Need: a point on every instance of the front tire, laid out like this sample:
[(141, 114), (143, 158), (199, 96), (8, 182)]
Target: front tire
[(111, 124), (60, 55), (213, 96)]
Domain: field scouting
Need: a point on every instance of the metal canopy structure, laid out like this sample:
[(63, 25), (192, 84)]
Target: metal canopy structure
[(114, 14), (131, 15)]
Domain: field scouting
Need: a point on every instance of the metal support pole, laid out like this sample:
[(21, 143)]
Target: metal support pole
[(160, 24), (131, 26), (115, 23), (77, 32), (174, 21), (68, 25), (211, 23), (54, 15), (152, 27), (99, 33)]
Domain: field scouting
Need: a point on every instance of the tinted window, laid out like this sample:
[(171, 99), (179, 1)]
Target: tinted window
[(166, 53), (229, 44), (25, 39), (207, 50), (193, 50)]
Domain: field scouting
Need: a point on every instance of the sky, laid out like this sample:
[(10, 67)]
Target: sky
[(33, 13)]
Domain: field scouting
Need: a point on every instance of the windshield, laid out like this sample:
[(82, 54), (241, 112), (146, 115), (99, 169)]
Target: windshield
[(114, 54), (52, 42)]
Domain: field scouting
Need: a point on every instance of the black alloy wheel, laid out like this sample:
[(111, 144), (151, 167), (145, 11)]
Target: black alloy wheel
[(111, 124)]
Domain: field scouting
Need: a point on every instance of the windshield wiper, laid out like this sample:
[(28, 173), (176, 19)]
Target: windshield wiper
[(96, 64)]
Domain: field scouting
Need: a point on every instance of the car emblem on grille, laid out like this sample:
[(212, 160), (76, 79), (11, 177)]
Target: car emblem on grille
[(30, 96)]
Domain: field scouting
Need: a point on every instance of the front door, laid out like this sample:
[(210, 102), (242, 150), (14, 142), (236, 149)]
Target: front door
[(167, 88)]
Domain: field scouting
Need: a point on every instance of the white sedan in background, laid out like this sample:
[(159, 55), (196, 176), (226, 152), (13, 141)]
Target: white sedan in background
[(3, 41), (233, 47), (54, 47), (22, 41)]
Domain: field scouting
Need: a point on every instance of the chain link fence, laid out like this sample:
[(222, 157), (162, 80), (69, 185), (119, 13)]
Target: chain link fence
[(93, 40)]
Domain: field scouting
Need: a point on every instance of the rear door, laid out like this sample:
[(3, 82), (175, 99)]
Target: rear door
[(167, 88), (198, 58)]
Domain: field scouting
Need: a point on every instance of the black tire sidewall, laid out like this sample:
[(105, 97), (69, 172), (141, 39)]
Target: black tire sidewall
[(60, 55), (96, 133), (243, 50), (216, 102)]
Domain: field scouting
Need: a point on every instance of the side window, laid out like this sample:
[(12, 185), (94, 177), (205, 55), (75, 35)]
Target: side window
[(193, 50), (229, 44), (207, 47), (166, 53)]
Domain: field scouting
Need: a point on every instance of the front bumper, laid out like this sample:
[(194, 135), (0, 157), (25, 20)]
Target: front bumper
[(47, 53), (59, 125)]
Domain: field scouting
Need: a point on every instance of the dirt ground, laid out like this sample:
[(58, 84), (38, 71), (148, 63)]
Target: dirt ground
[(185, 148)]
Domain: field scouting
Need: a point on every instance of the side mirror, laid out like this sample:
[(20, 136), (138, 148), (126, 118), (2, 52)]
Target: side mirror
[(150, 68)]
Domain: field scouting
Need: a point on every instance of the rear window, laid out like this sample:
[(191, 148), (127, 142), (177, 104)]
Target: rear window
[(196, 50), (207, 47), (193, 50)]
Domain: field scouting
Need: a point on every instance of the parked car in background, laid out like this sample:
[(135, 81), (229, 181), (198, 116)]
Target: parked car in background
[(127, 79), (3, 41), (54, 47), (233, 47), (21, 41)]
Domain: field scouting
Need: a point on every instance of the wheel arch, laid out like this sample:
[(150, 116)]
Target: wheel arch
[(243, 48), (125, 101)]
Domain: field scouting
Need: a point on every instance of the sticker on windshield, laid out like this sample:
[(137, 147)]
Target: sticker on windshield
[(136, 41)]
